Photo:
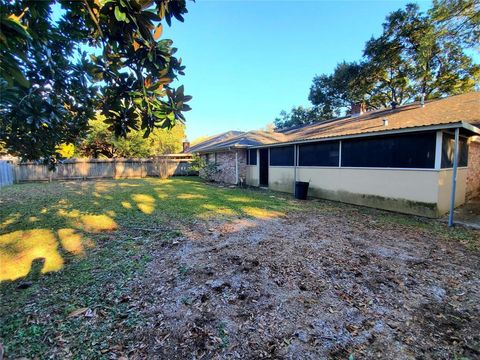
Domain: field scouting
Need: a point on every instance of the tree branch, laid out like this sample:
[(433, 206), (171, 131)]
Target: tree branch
[(94, 18)]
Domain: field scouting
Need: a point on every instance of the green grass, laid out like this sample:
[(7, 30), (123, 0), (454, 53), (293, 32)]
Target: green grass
[(87, 241), (81, 244)]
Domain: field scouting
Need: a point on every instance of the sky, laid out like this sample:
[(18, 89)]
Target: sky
[(248, 60)]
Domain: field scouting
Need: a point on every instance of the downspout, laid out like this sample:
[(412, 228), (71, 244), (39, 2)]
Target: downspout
[(454, 177)]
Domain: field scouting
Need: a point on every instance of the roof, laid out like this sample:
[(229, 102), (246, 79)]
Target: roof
[(454, 109), (461, 109), (212, 140), (243, 140)]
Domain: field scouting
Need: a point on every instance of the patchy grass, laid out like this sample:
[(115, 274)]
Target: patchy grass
[(66, 246), (437, 228), (467, 237), (54, 221), (71, 253)]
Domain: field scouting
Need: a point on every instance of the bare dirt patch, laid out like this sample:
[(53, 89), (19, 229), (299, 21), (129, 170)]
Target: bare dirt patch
[(309, 285)]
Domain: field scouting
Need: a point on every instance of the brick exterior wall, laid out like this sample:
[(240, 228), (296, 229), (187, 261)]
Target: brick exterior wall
[(226, 166), (473, 172)]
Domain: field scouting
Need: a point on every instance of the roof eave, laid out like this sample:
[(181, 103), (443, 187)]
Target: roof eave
[(460, 124), (223, 148), (472, 128)]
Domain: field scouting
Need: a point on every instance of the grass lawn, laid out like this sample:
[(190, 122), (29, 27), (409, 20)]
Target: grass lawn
[(78, 243), (102, 269)]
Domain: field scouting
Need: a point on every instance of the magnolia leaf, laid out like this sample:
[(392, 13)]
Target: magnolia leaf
[(165, 80), (119, 15), (158, 32), (19, 77), (136, 45)]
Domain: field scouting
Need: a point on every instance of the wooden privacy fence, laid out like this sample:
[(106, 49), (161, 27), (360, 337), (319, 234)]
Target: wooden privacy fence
[(163, 166), (6, 173)]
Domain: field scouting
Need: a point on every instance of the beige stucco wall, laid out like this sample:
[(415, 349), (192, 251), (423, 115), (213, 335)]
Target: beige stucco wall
[(445, 188), (280, 178), (252, 175), (420, 192), (414, 185)]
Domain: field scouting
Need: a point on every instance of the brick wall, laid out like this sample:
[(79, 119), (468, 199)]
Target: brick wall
[(473, 172), (226, 166)]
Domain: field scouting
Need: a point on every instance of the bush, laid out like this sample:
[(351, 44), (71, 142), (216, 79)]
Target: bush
[(206, 169)]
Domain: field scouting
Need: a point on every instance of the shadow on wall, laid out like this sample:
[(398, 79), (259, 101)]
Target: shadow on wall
[(56, 220)]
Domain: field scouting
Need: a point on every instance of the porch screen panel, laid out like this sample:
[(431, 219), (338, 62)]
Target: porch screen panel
[(448, 147), (281, 156), (252, 157), (319, 154), (394, 151)]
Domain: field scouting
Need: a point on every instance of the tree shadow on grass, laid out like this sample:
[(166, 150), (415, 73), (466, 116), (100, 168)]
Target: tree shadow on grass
[(60, 219)]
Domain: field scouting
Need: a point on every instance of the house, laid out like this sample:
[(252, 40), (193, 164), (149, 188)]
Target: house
[(398, 159)]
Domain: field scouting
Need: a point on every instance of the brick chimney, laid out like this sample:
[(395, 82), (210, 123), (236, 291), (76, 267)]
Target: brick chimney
[(186, 146), (358, 109)]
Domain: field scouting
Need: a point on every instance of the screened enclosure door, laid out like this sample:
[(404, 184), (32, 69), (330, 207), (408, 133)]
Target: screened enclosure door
[(263, 167)]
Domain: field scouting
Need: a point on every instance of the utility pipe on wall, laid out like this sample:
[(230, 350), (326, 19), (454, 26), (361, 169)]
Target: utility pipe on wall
[(454, 177)]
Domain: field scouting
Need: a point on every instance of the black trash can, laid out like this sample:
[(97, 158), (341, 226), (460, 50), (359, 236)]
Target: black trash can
[(301, 190)]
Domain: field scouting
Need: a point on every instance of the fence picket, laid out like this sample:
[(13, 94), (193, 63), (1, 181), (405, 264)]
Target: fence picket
[(163, 166), (6, 173)]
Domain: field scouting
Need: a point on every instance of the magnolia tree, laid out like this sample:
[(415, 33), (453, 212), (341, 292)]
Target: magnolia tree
[(61, 61)]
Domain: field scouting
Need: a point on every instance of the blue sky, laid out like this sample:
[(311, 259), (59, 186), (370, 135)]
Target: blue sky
[(248, 60)]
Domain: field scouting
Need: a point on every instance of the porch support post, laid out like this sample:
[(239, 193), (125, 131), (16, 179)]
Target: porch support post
[(438, 150), (454, 177), (236, 167), (340, 153), (295, 163), (257, 152)]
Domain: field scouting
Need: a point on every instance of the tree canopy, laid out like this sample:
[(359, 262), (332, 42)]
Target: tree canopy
[(100, 142), (105, 55), (419, 54), (300, 116)]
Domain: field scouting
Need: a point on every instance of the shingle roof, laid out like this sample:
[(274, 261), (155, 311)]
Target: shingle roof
[(465, 107), (246, 139), (213, 140), (450, 110)]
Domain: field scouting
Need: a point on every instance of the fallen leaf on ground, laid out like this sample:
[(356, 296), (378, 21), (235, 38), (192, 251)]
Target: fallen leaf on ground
[(78, 312)]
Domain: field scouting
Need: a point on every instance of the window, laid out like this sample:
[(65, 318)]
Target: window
[(448, 147), (281, 156), (252, 157), (318, 154), (394, 151)]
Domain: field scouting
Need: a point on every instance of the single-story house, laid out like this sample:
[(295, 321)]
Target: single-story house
[(398, 159)]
